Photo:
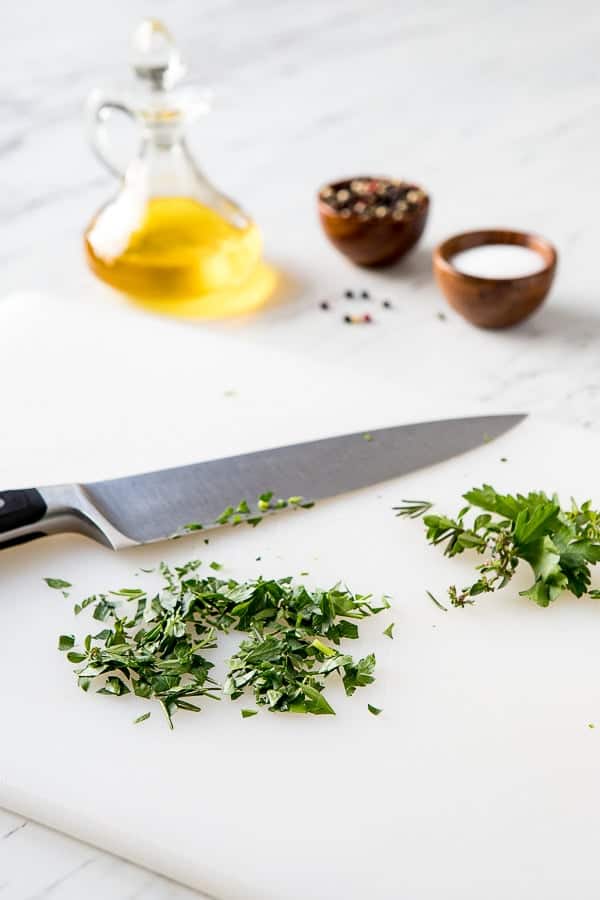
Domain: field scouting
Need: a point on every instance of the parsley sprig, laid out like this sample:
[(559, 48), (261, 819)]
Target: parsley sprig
[(559, 544), (153, 644)]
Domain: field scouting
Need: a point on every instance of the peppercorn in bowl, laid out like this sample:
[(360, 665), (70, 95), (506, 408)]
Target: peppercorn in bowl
[(373, 221)]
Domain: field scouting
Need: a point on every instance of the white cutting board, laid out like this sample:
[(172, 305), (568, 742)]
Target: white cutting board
[(479, 779)]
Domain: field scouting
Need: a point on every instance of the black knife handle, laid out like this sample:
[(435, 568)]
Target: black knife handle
[(18, 509)]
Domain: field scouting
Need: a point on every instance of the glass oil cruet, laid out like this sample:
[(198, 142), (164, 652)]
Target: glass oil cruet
[(169, 238)]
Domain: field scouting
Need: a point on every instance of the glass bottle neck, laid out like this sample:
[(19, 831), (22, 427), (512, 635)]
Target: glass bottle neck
[(164, 167), (166, 162)]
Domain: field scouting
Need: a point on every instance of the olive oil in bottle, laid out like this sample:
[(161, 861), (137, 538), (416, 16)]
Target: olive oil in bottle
[(168, 238)]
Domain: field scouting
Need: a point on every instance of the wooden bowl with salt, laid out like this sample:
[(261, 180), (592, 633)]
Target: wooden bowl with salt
[(489, 284), (373, 221)]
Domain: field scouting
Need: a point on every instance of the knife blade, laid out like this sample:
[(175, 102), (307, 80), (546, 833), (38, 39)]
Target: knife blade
[(153, 506)]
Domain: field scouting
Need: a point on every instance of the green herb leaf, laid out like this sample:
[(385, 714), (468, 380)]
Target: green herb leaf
[(57, 584), (66, 642), (103, 609), (436, 602), (359, 674), (389, 631), (248, 713), (142, 718), (115, 686), (316, 702), (374, 710)]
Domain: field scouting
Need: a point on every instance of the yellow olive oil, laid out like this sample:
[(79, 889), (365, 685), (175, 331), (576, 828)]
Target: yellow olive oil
[(182, 258)]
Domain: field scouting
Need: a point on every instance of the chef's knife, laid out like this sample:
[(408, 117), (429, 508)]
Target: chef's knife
[(139, 509)]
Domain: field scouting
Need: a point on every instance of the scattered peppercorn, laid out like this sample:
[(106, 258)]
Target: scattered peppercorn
[(355, 319), (358, 320)]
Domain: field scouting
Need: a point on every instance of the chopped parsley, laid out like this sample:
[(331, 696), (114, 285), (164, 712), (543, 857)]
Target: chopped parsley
[(154, 645)]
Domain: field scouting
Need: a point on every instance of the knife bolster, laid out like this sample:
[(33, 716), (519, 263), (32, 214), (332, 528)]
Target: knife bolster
[(30, 513), (71, 510)]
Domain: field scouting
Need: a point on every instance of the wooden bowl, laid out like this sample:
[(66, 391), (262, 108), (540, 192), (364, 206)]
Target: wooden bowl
[(493, 302), (373, 242)]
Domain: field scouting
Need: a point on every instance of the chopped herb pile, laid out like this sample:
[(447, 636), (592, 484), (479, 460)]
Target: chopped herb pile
[(153, 644), (287, 672), (560, 545)]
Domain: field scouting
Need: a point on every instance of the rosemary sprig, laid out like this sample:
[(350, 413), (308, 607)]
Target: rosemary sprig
[(412, 509)]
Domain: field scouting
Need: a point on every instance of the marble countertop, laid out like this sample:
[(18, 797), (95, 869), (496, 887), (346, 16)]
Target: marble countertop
[(492, 107)]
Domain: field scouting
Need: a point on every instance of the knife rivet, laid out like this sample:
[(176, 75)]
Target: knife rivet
[(2, 502)]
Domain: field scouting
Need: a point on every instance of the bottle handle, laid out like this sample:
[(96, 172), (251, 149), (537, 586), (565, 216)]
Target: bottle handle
[(99, 109)]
